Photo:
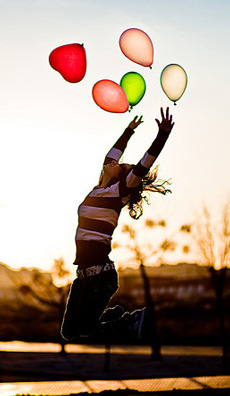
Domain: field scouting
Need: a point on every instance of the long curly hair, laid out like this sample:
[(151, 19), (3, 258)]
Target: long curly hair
[(149, 183)]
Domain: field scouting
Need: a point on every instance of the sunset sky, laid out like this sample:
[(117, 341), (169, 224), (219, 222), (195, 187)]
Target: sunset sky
[(53, 137)]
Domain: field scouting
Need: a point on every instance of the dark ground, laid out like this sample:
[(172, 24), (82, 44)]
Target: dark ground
[(30, 366), (37, 366)]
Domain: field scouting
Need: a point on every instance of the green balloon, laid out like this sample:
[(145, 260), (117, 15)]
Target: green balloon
[(134, 86)]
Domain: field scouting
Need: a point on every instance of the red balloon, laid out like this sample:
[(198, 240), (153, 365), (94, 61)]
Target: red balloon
[(70, 61), (109, 96)]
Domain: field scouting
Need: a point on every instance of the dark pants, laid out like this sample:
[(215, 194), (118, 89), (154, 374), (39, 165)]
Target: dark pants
[(87, 300)]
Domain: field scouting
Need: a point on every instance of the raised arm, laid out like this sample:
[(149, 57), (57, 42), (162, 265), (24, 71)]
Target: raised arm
[(119, 147), (143, 166)]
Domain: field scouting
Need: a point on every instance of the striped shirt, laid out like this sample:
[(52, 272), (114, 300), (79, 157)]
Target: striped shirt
[(99, 212)]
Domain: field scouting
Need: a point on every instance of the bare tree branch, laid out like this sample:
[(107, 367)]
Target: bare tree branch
[(213, 238)]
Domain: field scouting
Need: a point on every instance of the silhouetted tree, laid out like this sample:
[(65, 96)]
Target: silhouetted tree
[(213, 242), (40, 289), (141, 254)]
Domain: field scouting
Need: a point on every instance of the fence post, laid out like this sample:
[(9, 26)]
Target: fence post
[(107, 358)]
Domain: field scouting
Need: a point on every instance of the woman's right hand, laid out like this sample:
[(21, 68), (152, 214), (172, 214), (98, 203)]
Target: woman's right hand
[(135, 122)]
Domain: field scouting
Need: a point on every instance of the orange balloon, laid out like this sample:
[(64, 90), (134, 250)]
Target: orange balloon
[(109, 96), (137, 46)]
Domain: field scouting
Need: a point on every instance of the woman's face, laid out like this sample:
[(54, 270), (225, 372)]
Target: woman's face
[(114, 169)]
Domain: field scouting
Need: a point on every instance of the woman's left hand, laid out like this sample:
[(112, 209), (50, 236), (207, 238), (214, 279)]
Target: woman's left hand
[(166, 123), (135, 122)]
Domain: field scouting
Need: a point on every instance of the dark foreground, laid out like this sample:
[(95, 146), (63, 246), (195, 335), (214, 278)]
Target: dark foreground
[(33, 366), (182, 371)]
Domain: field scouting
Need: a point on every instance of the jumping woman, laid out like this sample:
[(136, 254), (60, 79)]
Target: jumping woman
[(120, 185)]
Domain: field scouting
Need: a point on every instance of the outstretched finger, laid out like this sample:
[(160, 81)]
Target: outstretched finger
[(167, 113), (140, 119), (162, 113)]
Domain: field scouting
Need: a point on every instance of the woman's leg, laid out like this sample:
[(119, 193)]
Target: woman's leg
[(87, 300), (85, 313), (129, 327)]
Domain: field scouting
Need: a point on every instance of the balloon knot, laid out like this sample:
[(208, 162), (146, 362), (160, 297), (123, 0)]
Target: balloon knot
[(150, 67), (82, 44), (175, 103)]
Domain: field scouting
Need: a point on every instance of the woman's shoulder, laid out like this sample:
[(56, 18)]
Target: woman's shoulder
[(99, 191)]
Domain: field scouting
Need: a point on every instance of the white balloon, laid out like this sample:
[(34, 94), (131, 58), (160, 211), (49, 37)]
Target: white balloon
[(173, 81)]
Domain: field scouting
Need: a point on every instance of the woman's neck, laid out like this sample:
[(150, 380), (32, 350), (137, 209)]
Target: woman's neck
[(105, 181)]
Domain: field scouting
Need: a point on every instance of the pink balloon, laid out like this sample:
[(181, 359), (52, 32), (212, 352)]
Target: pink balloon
[(109, 96), (137, 46)]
